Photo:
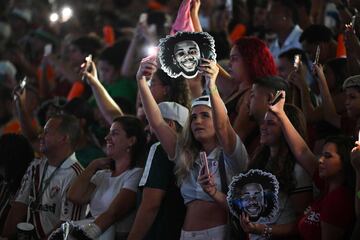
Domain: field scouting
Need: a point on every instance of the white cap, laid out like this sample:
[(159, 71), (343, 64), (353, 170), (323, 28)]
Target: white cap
[(203, 100), (174, 111)]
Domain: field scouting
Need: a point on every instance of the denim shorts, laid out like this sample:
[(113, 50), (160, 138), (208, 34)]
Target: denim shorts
[(215, 233)]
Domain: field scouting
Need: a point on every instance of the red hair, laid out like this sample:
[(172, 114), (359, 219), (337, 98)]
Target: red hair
[(257, 57)]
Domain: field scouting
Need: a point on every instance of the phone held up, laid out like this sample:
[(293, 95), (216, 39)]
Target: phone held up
[(297, 60), (205, 163), (87, 67), (276, 98), (23, 84), (317, 55)]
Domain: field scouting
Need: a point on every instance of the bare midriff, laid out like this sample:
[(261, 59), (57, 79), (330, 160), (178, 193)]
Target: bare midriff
[(202, 215)]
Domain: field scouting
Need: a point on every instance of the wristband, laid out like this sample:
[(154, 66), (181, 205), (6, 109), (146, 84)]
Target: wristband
[(267, 232), (212, 90), (92, 230)]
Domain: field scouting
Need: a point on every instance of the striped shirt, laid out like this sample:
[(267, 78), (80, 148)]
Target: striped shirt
[(53, 207)]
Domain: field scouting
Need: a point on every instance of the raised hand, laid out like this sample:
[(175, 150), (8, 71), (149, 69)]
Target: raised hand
[(248, 226), (209, 70), (279, 106), (355, 157), (298, 76), (90, 74), (147, 68)]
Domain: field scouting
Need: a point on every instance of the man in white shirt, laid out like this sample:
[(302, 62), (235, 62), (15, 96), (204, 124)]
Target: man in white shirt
[(282, 19), (41, 199)]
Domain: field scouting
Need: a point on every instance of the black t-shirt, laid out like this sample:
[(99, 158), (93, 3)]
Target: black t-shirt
[(170, 218)]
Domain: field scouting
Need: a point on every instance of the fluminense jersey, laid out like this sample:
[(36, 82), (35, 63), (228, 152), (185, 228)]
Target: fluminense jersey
[(53, 208)]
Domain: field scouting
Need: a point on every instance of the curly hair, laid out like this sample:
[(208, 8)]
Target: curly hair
[(270, 187), (257, 57), (204, 40)]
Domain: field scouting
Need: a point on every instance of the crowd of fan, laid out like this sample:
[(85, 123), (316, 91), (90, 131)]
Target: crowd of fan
[(113, 147)]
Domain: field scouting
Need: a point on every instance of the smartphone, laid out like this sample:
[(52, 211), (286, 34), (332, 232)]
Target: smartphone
[(23, 84), (353, 20), (297, 60), (47, 49), (203, 159), (87, 67), (143, 18), (276, 98), (317, 55)]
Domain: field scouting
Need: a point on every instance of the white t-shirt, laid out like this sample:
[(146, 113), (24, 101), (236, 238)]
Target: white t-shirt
[(54, 206), (107, 187)]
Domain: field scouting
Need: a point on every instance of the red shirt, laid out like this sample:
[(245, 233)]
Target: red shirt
[(335, 208)]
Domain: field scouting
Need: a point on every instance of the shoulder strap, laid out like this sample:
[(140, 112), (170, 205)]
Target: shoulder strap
[(223, 179)]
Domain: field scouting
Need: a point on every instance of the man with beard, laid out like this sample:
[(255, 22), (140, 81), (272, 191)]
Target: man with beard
[(181, 54), (252, 198), (187, 56)]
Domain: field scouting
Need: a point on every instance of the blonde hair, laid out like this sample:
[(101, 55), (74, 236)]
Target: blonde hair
[(187, 152)]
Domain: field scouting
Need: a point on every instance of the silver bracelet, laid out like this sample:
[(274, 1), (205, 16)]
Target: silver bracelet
[(267, 232)]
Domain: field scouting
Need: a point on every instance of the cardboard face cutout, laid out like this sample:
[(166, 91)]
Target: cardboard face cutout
[(255, 193), (181, 53)]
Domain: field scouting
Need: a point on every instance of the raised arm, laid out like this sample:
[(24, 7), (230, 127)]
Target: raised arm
[(352, 45), (25, 119), (296, 143), (328, 107), (143, 35), (164, 133), (224, 131), (298, 79), (107, 105), (194, 13)]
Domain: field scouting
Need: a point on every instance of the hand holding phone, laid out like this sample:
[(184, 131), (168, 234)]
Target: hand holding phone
[(23, 84), (276, 98), (87, 67), (204, 161), (297, 60), (317, 55)]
